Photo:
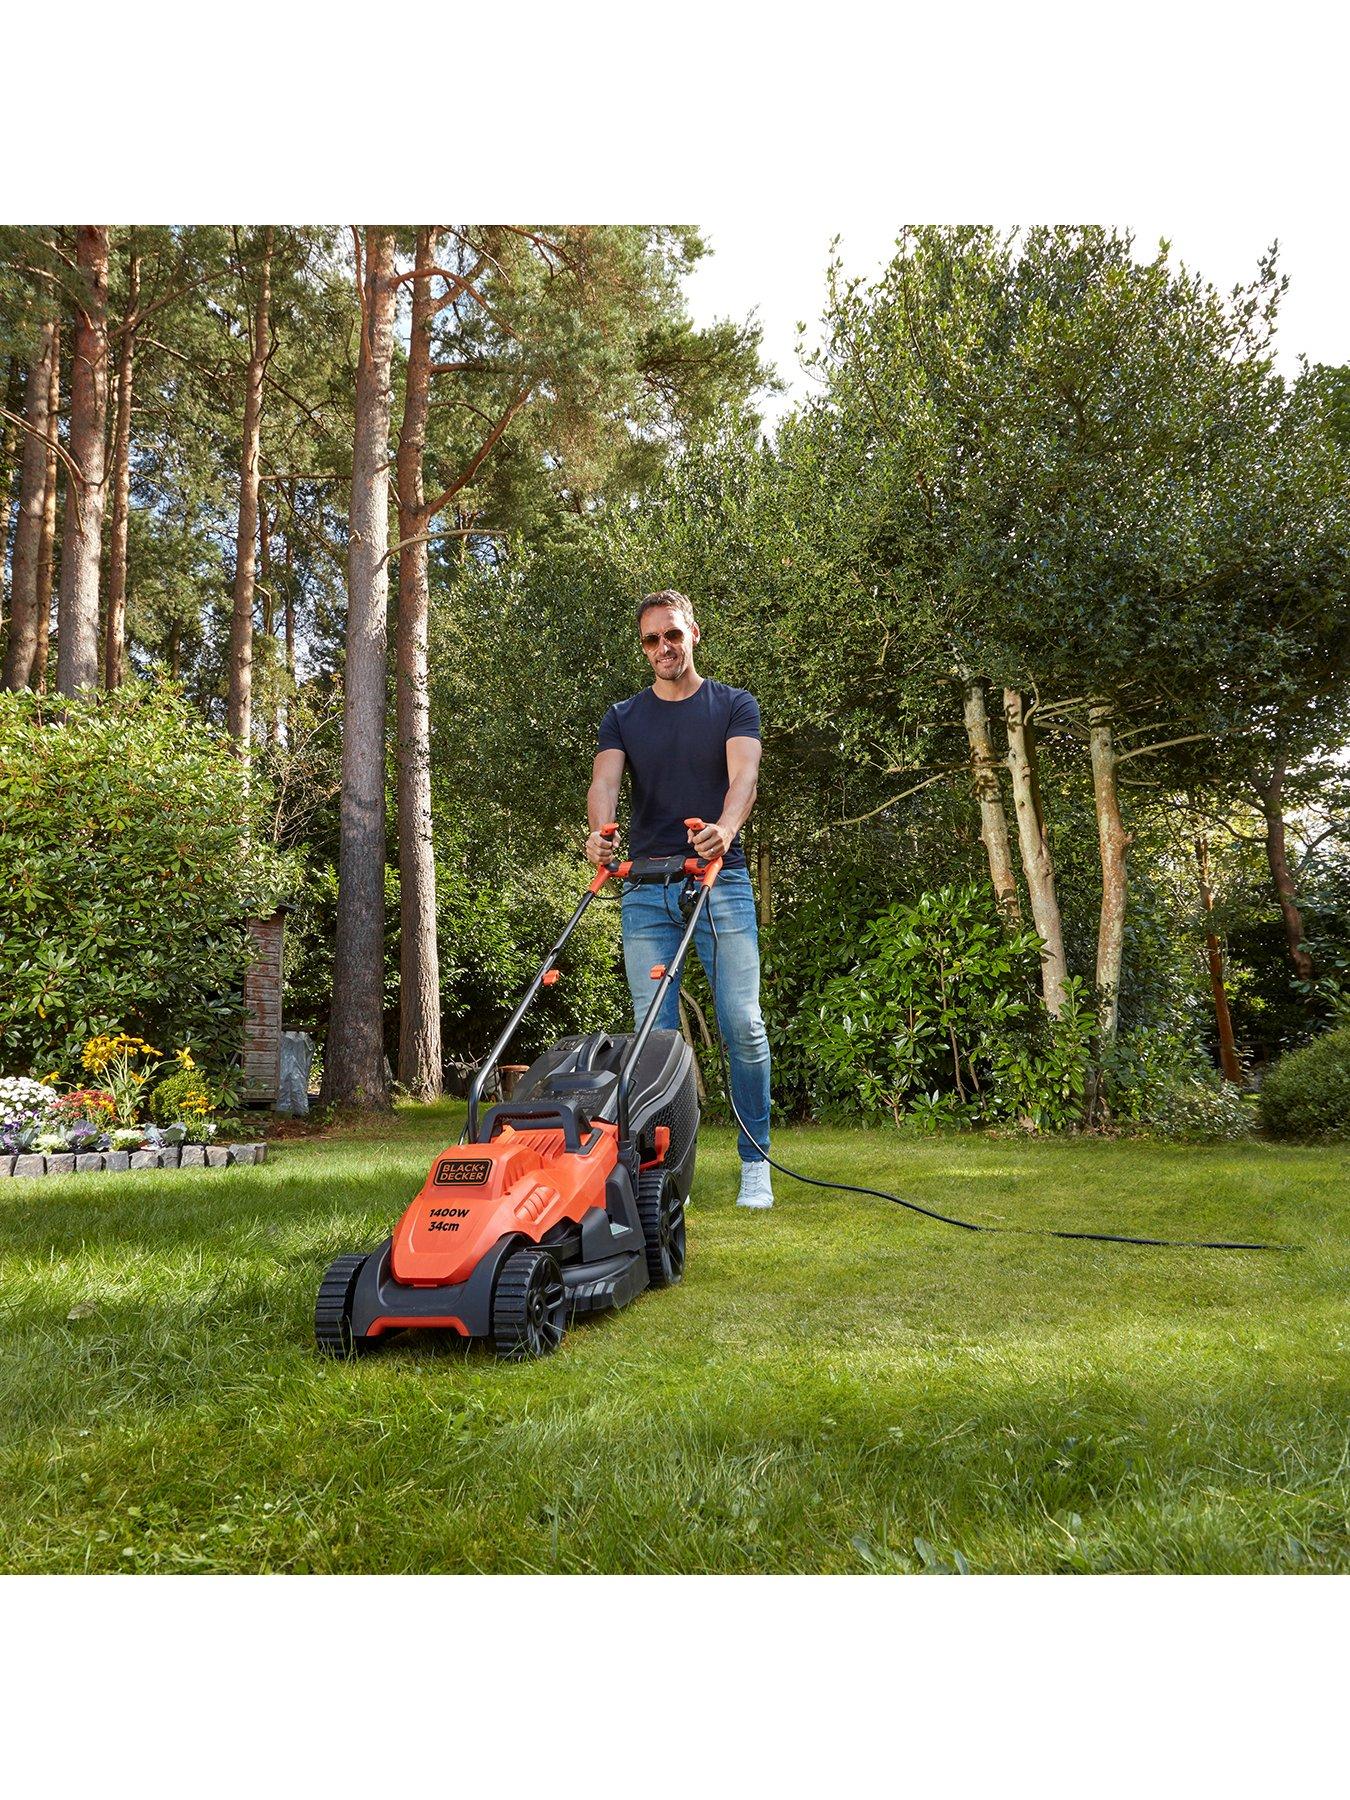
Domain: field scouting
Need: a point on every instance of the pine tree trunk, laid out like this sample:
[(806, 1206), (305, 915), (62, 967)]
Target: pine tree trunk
[(9, 443), (273, 724), (1277, 856), (354, 1059), (419, 1052), (290, 623), (1113, 841), (114, 647), (21, 649), (1037, 863), (239, 702), (47, 541), (82, 544), (993, 819), (1228, 1055)]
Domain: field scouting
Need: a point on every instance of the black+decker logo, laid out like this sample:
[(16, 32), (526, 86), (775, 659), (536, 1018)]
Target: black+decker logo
[(462, 1171)]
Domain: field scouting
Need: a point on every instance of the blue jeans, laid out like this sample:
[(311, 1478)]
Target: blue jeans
[(652, 928)]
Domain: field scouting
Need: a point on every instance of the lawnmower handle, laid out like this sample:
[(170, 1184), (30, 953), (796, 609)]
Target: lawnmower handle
[(710, 868), (603, 871), (703, 870)]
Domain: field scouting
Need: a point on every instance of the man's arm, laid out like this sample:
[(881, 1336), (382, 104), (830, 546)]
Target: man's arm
[(602, 804), (743, 754)]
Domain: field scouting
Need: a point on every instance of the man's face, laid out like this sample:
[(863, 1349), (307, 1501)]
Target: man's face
[(668, 641)]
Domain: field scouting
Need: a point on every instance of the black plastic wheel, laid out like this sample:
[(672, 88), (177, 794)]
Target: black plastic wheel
[(662, 1213), (333, 1312), (529, 1308)]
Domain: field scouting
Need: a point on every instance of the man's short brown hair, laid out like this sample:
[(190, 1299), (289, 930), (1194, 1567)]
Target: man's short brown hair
[(668, 597)]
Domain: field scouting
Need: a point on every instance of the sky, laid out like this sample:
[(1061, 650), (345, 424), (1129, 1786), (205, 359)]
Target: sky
[(776, 268)]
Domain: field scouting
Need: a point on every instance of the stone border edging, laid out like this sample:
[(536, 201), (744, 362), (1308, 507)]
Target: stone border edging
[(116, 1162)]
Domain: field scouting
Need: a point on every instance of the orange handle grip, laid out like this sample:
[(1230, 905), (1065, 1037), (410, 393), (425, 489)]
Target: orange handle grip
[(604, 871), (710, 870)]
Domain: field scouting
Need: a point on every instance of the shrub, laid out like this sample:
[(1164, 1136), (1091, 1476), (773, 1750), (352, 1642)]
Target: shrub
[(1144, 1071), (495, 918), (1199, 1109), (1307, 1093), (185, 1097), (811, 941), (133, 852), (493, 931), (941, 1019), (1040, 1073)]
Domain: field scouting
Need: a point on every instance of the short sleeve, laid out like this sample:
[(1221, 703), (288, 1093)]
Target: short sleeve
[(611, 738), (744, 717)]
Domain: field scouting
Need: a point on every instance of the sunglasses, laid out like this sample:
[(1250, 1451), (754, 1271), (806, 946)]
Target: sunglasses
[(650, 639)]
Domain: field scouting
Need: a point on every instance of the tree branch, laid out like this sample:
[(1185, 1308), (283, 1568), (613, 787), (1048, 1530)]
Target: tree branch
[(315, 418), (464, 286), (71, 465), (941, 775), (434, 537), (485, 449), (1193, 737), (458, 368)]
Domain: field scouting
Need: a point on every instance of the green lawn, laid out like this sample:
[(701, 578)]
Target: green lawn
[(837, 1385)]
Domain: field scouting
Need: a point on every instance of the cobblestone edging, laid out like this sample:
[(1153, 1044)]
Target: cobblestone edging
[(116, 1162)]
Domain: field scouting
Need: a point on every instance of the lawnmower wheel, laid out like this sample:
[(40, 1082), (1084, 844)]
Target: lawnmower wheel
[(333, 1313), (529, 1308), (662, 1213)]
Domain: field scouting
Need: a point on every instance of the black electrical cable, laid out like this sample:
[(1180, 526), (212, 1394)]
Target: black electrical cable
[(846, 1187)]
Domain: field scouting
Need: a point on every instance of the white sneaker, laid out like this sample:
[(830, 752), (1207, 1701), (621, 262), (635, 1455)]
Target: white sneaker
[(755, 1185)]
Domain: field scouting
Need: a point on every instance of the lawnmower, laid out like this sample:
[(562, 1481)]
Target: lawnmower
[(564, 1200)]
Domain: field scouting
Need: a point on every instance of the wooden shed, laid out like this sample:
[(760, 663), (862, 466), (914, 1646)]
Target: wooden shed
[(262, 1008)]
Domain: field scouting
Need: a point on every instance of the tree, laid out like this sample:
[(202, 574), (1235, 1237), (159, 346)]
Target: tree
[(21, 648), (239, 712), (170, 278), (114, 642), (1066, 465), (9, 438), (419, 1056), (1228, 1056), (354, 1055), (82, 546), (993, 819)]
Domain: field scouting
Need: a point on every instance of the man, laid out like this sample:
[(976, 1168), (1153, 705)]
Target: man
[(692, 748)]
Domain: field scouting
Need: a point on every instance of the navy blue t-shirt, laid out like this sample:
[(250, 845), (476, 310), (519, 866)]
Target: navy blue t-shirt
[(677, 761)]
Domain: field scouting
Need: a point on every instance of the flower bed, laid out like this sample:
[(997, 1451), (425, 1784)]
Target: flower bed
[(130, 1120)]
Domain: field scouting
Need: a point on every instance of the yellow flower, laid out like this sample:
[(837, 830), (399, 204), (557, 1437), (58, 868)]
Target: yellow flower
[(184, 1057), (98, 1053), (53, 1077)]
